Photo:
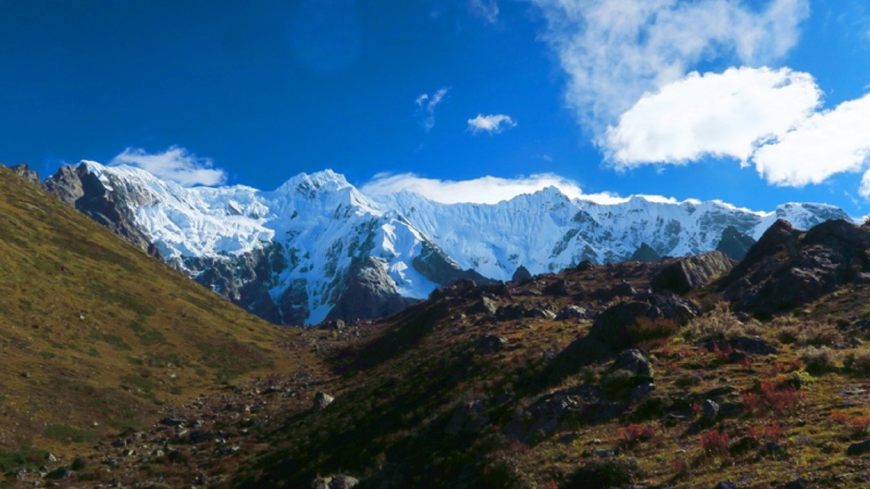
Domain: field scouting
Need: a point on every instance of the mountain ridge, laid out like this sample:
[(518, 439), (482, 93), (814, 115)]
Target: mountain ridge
[(290, 254)]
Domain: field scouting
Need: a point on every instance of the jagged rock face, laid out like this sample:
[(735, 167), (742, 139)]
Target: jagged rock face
[(692, 272), (369, 294), (83, 190), (436, 266), (734, 243), (24, 171), (645, 253), (788, 268)]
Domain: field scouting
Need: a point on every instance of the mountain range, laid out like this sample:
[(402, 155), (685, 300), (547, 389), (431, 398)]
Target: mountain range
[(317, 248)]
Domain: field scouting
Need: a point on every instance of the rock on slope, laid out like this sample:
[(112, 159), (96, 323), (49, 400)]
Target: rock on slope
[(787, 267), (294, 254)]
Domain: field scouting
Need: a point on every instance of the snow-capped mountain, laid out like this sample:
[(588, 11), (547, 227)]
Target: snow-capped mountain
[(317, 248)]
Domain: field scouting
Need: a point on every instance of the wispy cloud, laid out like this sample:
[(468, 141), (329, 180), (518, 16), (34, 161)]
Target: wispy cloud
[(492, 123), (483, 190), (427, 103), (176, 164), (614, 51), (485, 9)]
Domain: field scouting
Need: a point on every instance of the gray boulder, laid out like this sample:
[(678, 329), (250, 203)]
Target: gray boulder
[(322, 400), (338, 481), (692, 272)]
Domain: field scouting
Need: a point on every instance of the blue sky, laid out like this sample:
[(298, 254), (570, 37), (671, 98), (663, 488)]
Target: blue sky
[(596, 92)]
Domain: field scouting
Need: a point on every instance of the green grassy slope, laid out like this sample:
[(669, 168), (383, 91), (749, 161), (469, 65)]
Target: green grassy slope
[(95, 336)]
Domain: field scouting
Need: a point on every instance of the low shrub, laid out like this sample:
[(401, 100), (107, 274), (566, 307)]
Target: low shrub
[(819, 360), (605, 474), (773, 397), (636, 433), (715, 443), (858, 362)]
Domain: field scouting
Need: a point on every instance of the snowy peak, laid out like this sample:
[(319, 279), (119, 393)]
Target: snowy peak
[(317, 248)]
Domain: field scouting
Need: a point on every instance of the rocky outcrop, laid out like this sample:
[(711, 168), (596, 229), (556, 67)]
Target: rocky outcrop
[(246, 280), (788, 268), (82, 189), (339, 481), (433, 264), (644, 317), (368, 293), (521, 275), (734, 244), (24, 171), (645, 253), (691, 273)]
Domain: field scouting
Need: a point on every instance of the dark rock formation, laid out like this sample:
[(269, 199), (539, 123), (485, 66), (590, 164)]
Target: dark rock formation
[(734, 244), (627, 323), (80, 188), (635, 362), (368, 293), (433, 264), (339, 481), (246, 280), (24, 171), (645, 253), (692, 272), (788, 268), (521, 275), (491, 343), (572, 312)]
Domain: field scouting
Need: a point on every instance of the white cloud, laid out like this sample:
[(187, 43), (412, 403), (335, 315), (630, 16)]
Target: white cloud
[(485, 9), (716, 114), (492, 123), (614, 51), (864, 189), (483, 190), (825, 144), (427, 103), (175, 164), (770, 119)]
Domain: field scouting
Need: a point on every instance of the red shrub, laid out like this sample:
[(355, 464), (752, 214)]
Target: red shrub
[(860, 423), (715, 443), (839, 416), (517, 447), (634, 433), (679, 465), (773, 397), (723, 354), (770, 432)]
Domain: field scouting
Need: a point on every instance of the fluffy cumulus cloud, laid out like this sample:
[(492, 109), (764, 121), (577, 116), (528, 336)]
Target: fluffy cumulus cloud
[(483, 190), (427, 104), (715, 114), (485, 9), (826, 143), (492, 123), (614, 51), (175, 164)]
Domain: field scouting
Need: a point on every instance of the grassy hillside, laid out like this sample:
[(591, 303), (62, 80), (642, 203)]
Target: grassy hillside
[(95, 336)]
